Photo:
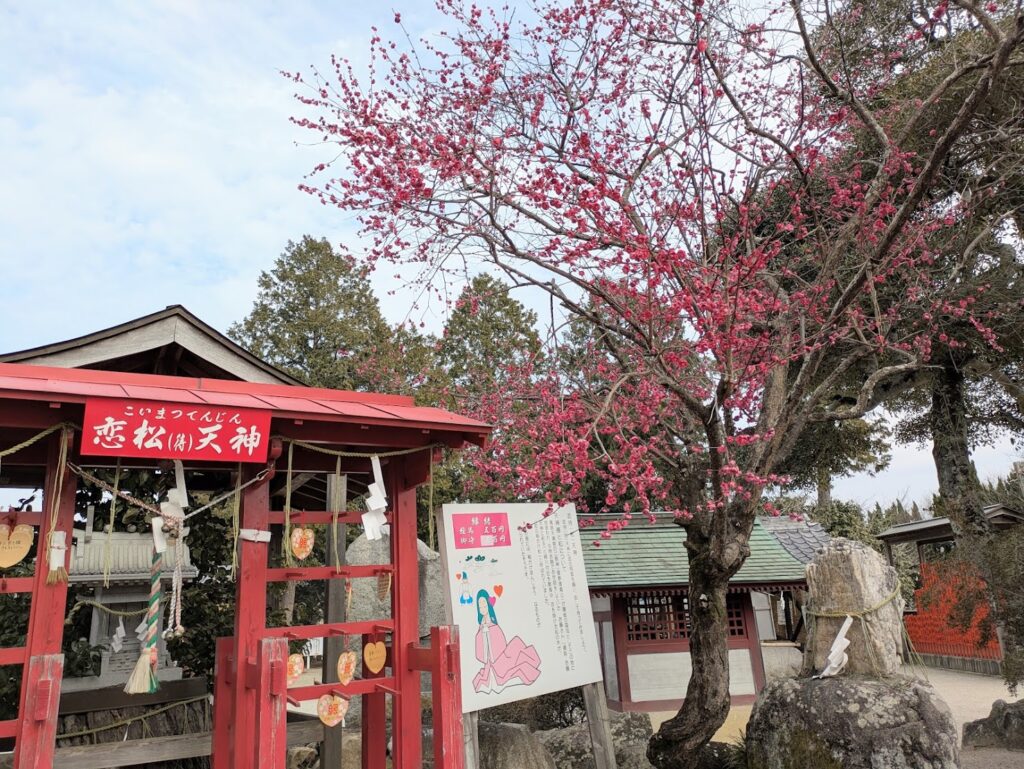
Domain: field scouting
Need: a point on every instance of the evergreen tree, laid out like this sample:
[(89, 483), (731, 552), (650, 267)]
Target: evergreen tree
[(317, 318)]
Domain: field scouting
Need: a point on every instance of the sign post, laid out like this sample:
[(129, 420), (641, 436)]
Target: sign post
[(517, 590)]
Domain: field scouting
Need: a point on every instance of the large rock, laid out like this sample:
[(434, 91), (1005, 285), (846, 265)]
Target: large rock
[(571, 749), (1003, 728), (365, 603), (511, 746), (849, 577), (851, 723)]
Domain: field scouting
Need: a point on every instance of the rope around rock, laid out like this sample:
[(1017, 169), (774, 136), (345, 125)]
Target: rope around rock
[(859, 614)]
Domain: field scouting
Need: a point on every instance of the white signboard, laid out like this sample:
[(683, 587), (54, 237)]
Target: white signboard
[(518, 593)]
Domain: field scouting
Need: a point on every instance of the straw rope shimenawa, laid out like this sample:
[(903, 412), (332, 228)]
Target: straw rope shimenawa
[(862, 616), (131, 719), (143, 679), (57, 541), (339, 454)]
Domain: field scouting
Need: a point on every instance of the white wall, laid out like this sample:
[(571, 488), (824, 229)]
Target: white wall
[(763, 616), (664, 675)]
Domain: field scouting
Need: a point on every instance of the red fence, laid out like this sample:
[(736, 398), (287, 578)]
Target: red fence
[(930, 628)]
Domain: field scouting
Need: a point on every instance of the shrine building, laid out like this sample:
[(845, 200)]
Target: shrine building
[(638, 589), (168, 394)]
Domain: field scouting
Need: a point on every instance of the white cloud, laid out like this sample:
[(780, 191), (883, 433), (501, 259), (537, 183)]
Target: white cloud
[(911, 477), (148, 158)]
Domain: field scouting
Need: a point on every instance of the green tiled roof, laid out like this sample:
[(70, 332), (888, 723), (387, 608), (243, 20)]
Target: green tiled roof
[(645, 554)]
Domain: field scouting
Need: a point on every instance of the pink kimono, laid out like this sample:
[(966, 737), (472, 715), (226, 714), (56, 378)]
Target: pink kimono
[(503, 661)]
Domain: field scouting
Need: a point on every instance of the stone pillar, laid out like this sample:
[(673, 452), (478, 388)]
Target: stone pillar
[(848, 576)]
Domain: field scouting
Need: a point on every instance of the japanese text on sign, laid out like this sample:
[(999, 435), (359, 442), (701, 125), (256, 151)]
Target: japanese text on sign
[(134, 428), (484, 530)]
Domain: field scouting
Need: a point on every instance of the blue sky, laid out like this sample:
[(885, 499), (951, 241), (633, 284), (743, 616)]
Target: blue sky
[(148, 160)]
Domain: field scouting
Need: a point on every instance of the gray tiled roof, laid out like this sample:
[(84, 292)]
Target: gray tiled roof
[(1001, 516), (646, 554), (801, 539)]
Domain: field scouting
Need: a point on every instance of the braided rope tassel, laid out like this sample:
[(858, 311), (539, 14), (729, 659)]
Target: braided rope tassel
[(286, 543), (57, 541), (143, 679), (110, 525)]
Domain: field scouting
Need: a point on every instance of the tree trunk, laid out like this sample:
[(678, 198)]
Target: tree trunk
[(959, 489), (280, 599), (824, 489), (958, 479), (681, 738), (288, 601)]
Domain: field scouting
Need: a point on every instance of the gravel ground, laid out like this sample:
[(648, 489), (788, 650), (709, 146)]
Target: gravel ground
[(970, 697), (989, 758)]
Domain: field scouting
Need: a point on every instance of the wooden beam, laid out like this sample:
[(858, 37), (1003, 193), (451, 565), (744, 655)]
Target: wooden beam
[(114, 697), (335, 612), (37, 413), (111, 755), (600, 726), (364, 436)]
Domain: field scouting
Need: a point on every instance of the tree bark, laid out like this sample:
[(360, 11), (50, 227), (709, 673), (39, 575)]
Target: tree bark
[(824, 489), (681, 738), (958, 480)]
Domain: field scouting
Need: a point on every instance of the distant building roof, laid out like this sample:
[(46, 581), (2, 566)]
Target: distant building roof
[(654, 555), (932, 529), (801, 539), (129, 555), (172, 341)]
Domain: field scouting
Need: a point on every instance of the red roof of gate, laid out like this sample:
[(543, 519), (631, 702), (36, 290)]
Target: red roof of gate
[(44, 383)]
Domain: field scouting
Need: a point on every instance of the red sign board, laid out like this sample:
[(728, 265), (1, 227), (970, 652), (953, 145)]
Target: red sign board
[(158, 430)]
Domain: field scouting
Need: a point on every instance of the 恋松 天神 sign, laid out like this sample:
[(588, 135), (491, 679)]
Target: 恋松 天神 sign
[(158, 430)]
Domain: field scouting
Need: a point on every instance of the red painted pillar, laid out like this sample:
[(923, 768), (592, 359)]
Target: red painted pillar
[(41, 675), (406, 723), (272, 715), (250, 623), (374, 720), (223, 702), (447, 698), (38, 718)]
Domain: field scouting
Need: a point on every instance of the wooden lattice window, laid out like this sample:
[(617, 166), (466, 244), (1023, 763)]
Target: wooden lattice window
[(664, 617), (734, 616), (654, 617)]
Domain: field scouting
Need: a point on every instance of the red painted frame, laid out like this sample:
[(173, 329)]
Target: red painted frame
[(623, 648), (44, 663), (251, 692)]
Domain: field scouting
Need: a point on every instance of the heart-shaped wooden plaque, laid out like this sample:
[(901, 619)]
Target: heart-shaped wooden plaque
[(346, 667), (302, 542), (331, 709), (296, 667), (14, 543), (374, 656)]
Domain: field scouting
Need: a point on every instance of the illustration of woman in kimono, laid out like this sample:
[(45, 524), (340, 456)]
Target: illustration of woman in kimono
[(505, 663)]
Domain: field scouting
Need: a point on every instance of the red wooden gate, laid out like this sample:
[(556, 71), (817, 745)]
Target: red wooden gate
[(251, 691), (41, 658)]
